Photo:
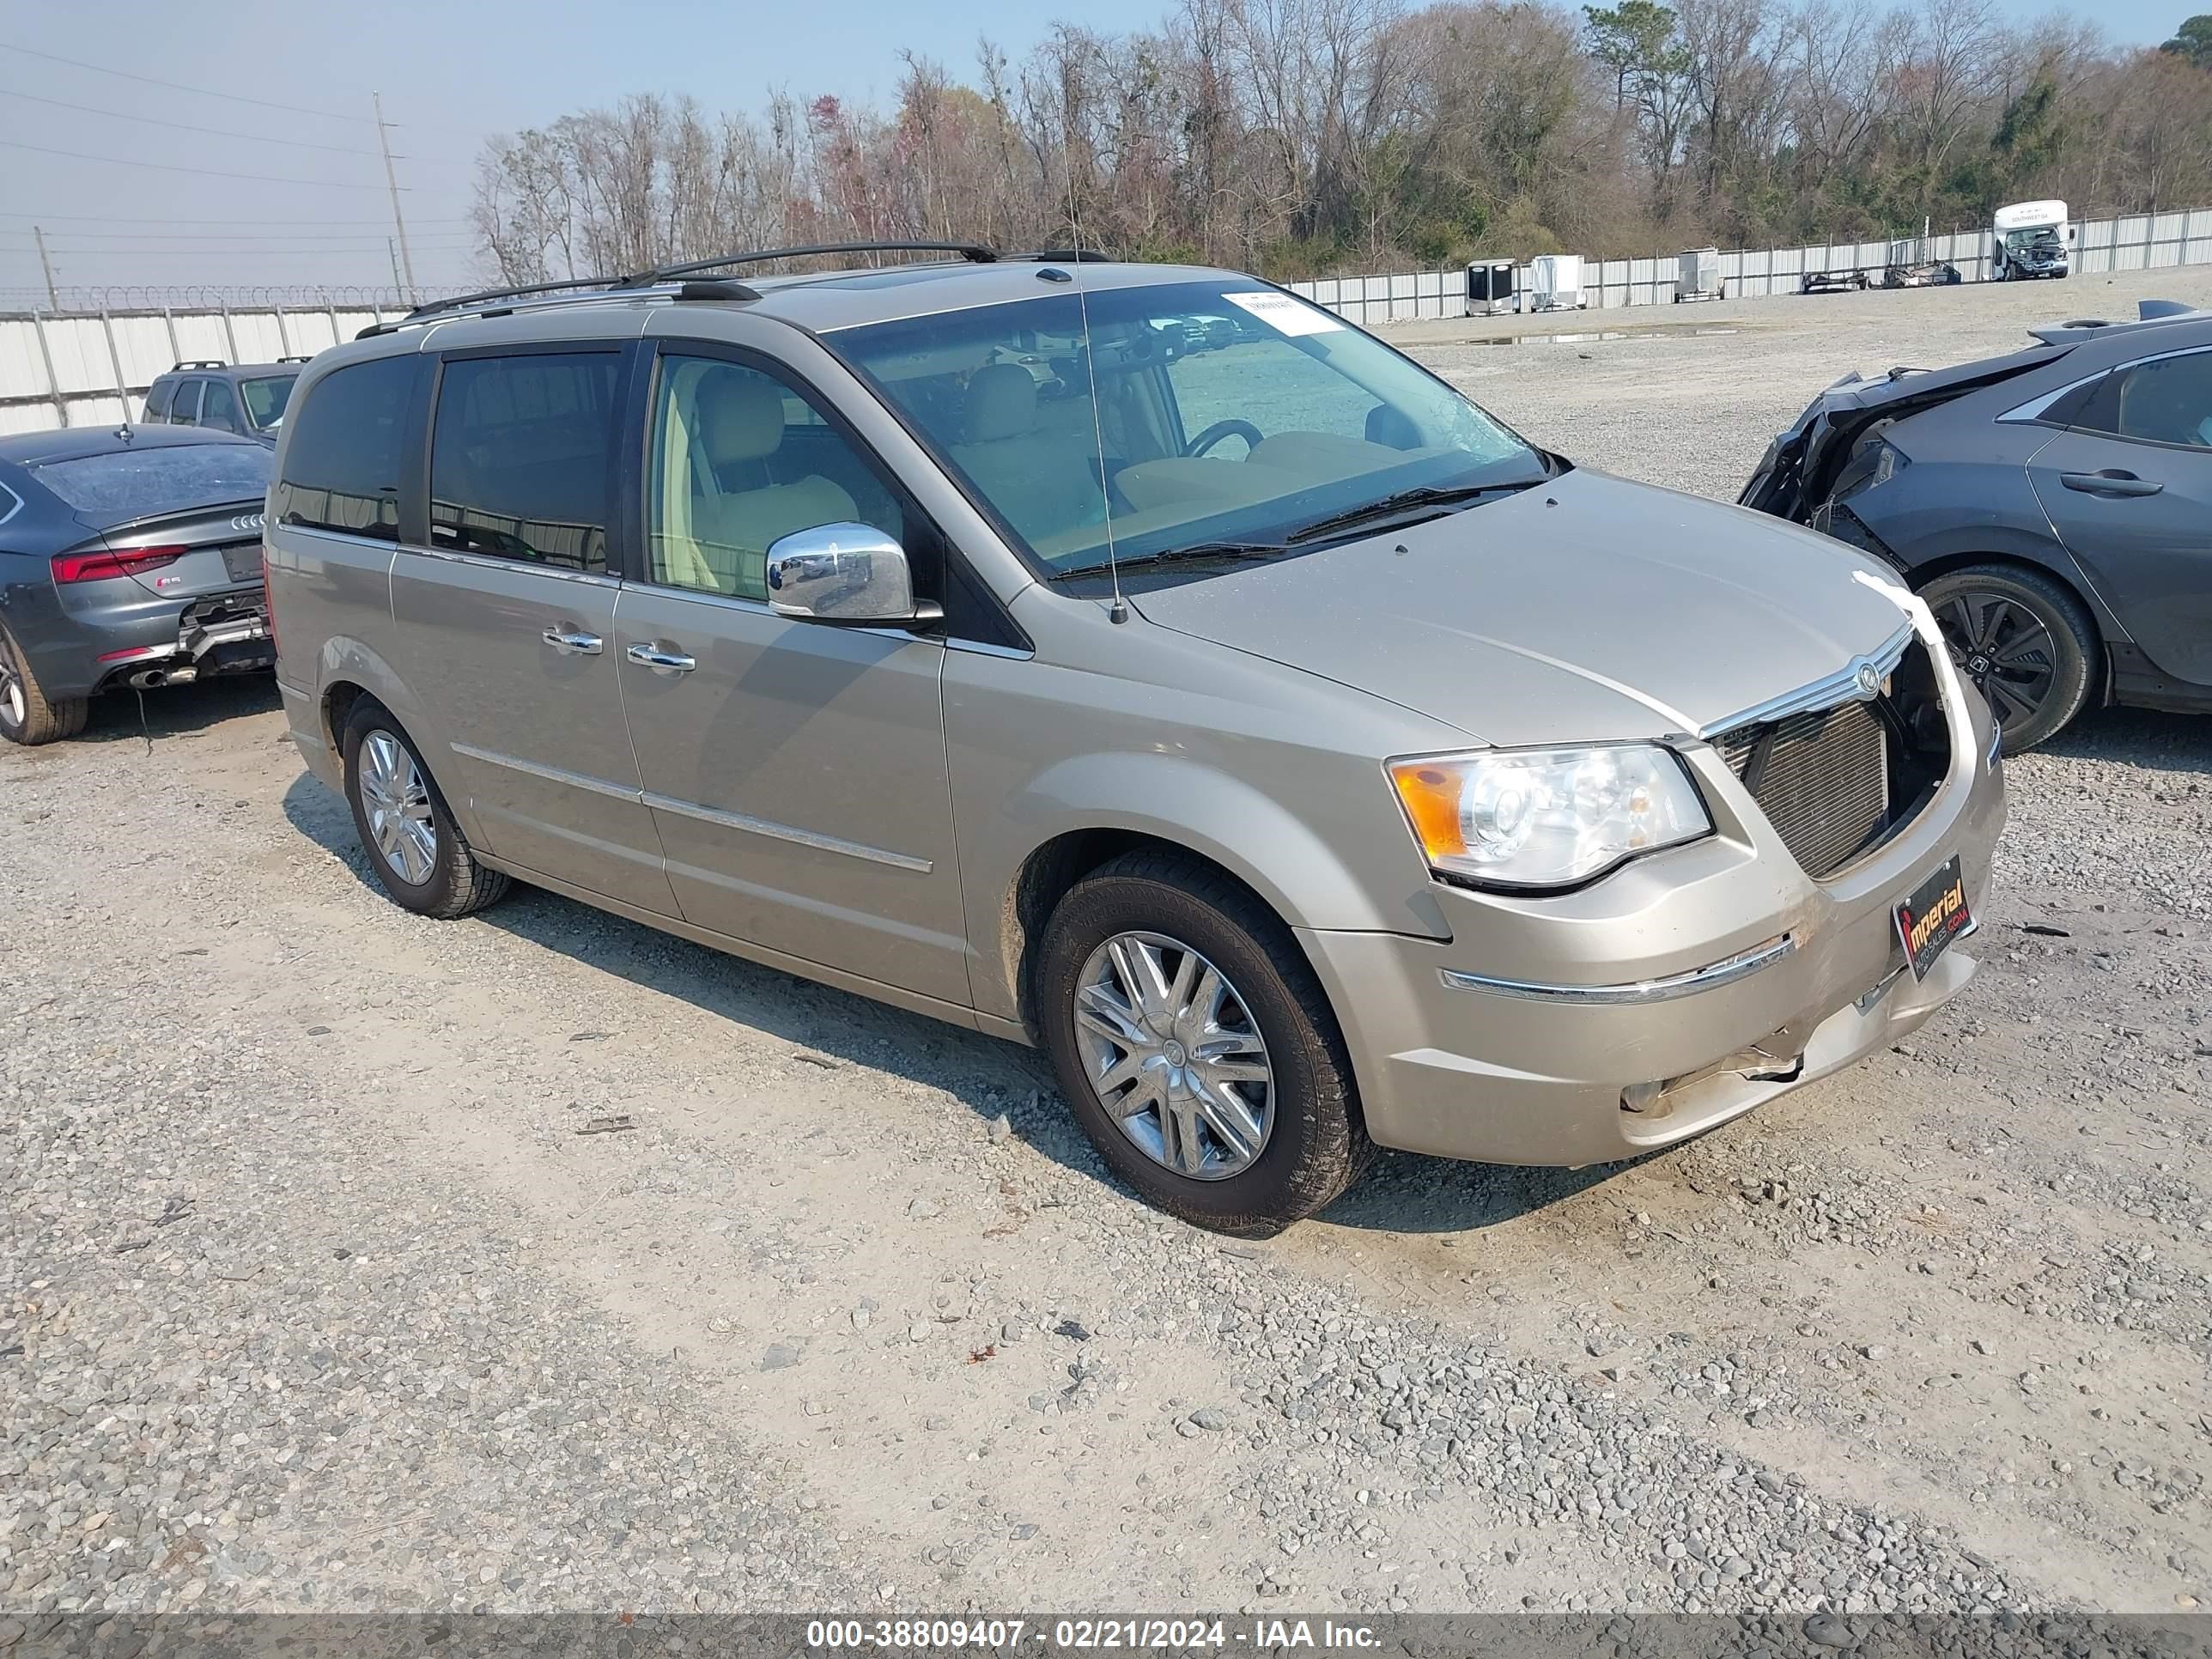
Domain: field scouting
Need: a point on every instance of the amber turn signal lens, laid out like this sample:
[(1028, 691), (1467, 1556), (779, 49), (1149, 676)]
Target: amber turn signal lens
[(1431, 793)]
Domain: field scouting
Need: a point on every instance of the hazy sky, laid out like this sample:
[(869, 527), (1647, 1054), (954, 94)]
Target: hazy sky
[(452, 73)]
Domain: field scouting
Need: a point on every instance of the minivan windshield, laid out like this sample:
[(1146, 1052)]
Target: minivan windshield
[(1227, 415)]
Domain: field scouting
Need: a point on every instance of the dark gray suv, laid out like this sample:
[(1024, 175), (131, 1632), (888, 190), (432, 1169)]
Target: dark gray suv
[(244, 399)]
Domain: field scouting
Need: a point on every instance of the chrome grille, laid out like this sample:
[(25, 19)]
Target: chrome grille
[(1822, 779)]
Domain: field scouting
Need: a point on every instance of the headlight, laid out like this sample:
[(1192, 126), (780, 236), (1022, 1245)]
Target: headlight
[(1546, 817)]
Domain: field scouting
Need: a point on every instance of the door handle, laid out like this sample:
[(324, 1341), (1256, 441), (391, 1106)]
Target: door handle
[(651, 653), (573, 642), (2110, 482)]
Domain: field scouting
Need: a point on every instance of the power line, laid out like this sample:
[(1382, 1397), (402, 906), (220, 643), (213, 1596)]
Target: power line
[(364, 233), (186, 126), (127, 219), (204, 173), (200, 92), (64, 247)]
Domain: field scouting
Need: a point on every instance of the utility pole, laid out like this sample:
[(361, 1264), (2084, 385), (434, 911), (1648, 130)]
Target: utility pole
[(53, 299), (391, 182), (394, 252)]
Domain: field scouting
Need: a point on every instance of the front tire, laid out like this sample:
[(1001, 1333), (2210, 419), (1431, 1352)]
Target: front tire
[(2024, 639), (1196, 1047), (28, 715), (417, 851)]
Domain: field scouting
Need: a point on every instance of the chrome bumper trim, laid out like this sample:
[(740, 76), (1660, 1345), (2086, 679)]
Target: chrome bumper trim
[(1724, 972), (1860, 679)]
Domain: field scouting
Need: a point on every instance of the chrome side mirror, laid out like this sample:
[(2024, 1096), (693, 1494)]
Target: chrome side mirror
[(852, 573)]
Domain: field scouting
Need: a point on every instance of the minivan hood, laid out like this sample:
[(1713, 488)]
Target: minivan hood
[(1583, 608)]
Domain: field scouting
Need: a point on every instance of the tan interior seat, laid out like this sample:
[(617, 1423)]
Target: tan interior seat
[(733, 420), (1044, 482)]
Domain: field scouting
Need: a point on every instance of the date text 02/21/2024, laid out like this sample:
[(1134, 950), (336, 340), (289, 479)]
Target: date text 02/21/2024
[(1086, 1635)]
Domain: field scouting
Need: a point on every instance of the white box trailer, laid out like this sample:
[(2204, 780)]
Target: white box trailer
[(1555, 281), (1698, 275)]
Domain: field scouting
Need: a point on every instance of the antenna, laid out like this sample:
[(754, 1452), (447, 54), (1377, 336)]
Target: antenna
[(1118, 611)]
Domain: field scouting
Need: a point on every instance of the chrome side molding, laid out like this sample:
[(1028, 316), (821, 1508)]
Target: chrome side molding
[(1726, 971)]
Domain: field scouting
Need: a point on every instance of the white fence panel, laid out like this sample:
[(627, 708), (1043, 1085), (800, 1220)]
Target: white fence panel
[(23, 363), (260, 338), (202, 338), (143, 343), (2136, 242), (79, 349), (92, 352)]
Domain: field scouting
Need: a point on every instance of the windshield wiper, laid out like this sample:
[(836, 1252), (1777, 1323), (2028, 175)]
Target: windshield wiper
[(1405, 500), (1221, 550)]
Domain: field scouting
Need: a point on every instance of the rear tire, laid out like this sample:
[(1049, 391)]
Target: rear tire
[(2025, 641), (1303, 1141), (28, 715), (417, 851)]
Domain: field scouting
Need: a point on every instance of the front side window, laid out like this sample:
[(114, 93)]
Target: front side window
[(1063, 417), (265, 399), (219, 408), (343, 467), (520, 454), (2167, 400), (741, 459)]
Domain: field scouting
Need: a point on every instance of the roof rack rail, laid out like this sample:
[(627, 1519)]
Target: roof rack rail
[(198, 362), (717, 288), (1086, 256), (297, 357), (972, 253), (482, 296)]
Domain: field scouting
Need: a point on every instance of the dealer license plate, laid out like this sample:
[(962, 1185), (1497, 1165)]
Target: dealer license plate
[(1936, 915)]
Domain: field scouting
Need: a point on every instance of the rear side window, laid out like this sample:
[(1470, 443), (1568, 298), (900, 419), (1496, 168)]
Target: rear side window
[(185, 410), (520, 457), (157, 402), (219, 408), (2167, 400), (343, 469)]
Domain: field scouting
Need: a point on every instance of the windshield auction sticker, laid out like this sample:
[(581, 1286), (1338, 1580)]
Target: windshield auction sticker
[(1285, 314)]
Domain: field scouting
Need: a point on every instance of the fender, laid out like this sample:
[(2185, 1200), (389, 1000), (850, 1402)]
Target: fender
[(1221, 817)]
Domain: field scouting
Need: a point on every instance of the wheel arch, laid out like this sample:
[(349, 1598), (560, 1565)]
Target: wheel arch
[(1225, 826), (2108, 630), (347, 670)]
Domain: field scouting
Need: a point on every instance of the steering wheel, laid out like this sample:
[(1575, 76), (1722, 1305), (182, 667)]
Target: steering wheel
[(1251, 434)]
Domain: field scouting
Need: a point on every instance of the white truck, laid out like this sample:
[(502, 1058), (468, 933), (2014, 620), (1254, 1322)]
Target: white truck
[(2030, 238)]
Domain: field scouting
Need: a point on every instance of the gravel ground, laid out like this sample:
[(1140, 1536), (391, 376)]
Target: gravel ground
[(315, 1297)]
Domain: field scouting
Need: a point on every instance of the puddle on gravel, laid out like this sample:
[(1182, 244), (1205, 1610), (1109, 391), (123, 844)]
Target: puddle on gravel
[(1649, 332)]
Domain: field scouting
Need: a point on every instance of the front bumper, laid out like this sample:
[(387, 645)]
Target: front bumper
[(1535, 1035)]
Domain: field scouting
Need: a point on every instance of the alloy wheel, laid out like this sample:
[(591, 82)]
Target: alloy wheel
[(14, 707), (1172, 1054), (2004, 648), (396, 803)]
